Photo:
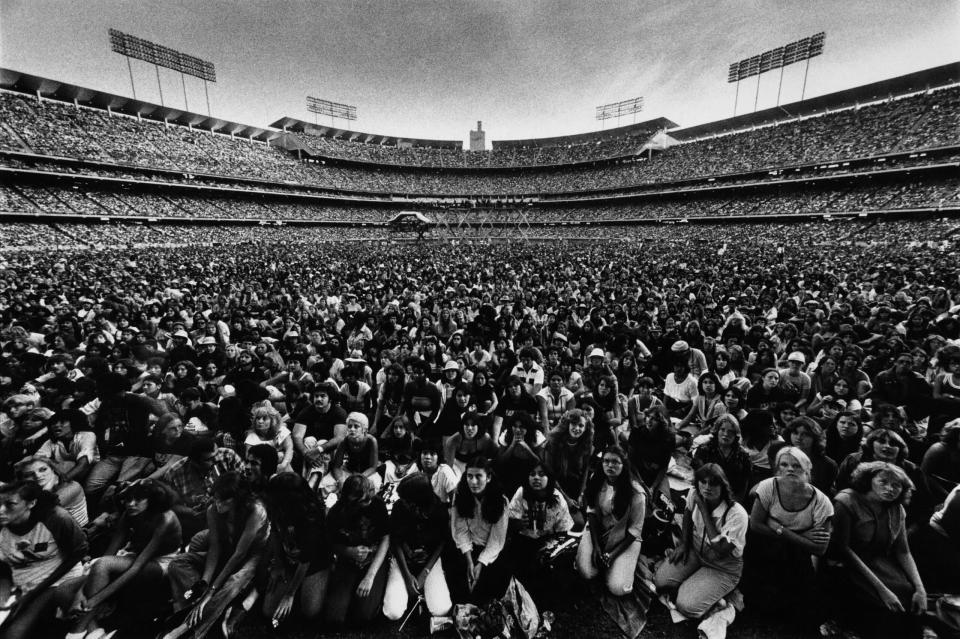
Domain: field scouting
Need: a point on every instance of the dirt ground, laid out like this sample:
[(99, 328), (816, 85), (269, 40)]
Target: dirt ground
[(580, 619)]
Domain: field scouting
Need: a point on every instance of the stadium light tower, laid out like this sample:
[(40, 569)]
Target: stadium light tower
[(778, 58), (619, 109), (333, 109), (160, 56)]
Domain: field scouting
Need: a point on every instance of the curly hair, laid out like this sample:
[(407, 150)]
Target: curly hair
[(521, 419)]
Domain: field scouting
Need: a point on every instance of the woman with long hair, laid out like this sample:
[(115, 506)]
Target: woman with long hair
[(397, 447), (538, 513), (207, 580), (707, 406), (483, 393), (141, 548), (758, 434), (358, 529), (844, 436), (183, 376), (266, 427), (41, 549), (880, 585), (389, 397), (722, 369), (299, 556), (626, 371), (605, 396), (708, 562), (883, 444), (568, 452), (840, 397), (734, 402), (523, 442), (616, 507), (479, 567), (469, 442)]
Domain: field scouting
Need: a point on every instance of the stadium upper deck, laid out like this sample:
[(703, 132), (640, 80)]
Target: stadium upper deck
[(76, 134)]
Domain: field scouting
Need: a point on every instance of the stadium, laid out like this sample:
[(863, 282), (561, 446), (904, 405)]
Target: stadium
[(170, 279), (93, 166)]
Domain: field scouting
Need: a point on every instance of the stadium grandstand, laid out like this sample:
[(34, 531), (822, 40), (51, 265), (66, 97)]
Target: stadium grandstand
[(72, 154)]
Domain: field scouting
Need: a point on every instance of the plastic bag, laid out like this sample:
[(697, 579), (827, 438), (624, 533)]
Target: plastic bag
[(522, 613)]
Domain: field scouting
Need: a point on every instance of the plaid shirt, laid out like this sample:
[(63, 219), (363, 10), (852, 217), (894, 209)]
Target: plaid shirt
[(192, 485)]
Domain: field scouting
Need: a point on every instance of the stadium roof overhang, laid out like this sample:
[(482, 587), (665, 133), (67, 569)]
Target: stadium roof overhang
[(299, 126), (919, 81), (640, 129), (65, 92)]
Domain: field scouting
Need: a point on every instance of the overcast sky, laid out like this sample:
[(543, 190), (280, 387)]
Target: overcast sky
[(526, 68)]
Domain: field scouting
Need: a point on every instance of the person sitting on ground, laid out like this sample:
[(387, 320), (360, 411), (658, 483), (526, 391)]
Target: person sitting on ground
[(522, 444), (356, 455), (299, 557), (879, 582), (723, 448), (708, 562), (479, 569), (359, 533), (616, 507), (442, 477), (267, 428), (71, 446), (222, 562), (69, 493), (192, 478), (144, 541), (538, 513), (41, 549), (419, 532), (789, 524), (467, 443)]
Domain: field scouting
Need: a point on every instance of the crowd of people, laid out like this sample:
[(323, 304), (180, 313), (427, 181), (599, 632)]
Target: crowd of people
[(600, 146), (761, 413), (914, 123), (927, 192)]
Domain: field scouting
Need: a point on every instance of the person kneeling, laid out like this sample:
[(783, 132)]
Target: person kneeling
[(419, 530), (616, 506)]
